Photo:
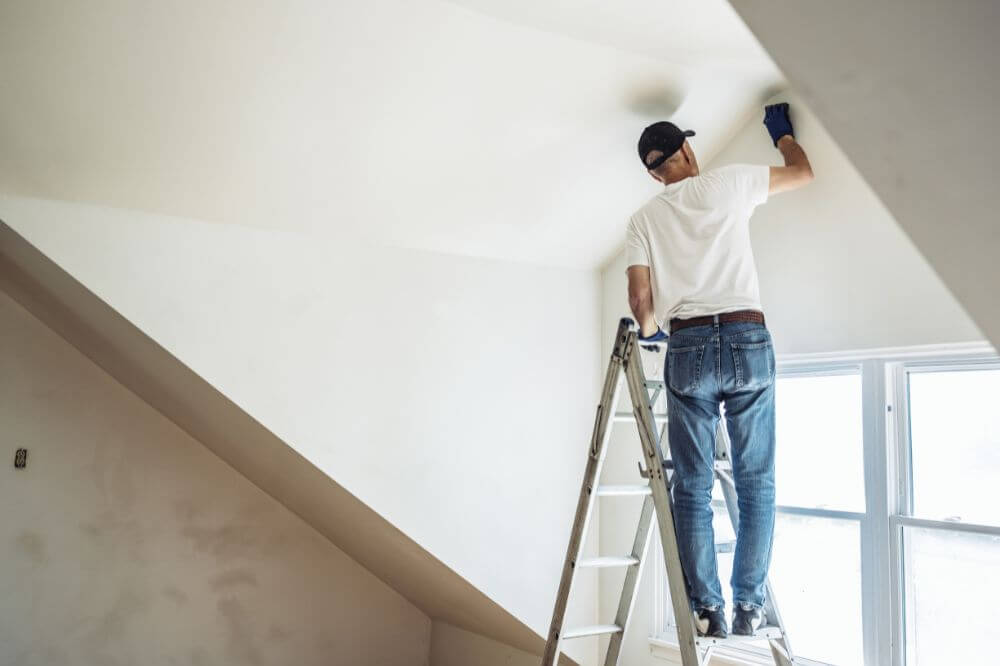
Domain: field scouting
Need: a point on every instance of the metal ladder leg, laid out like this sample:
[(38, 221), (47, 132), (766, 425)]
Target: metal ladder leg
[(636, 380), (584, 505), (632, 576)]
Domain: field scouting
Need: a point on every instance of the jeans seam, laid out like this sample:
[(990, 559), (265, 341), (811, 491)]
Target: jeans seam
[(738, 369)]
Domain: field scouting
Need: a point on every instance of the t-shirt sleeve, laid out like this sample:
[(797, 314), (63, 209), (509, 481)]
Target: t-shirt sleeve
[(742, 184), (636, 252), (758, 182)]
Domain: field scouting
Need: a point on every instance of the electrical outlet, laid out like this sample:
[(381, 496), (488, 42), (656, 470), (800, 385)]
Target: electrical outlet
[(21, 458)]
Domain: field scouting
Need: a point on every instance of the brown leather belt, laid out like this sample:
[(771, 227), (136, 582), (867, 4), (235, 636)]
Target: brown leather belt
[(739, 315)]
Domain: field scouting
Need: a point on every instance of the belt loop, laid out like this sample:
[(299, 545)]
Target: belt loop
[(715, 319)]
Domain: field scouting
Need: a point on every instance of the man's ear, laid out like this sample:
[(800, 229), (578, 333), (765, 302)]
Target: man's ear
[(688, 153)]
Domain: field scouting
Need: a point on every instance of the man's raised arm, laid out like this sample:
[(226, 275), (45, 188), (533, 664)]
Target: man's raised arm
[(797, 171)]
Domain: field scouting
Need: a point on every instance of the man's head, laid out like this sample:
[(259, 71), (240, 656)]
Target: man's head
[(666, 154)]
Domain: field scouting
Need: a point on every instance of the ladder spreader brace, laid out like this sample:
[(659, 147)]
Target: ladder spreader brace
[(695, 650)]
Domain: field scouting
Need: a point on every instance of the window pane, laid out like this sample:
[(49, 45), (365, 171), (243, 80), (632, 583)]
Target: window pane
[(955, 445), (819, 460), (816, 574), (952, 584)]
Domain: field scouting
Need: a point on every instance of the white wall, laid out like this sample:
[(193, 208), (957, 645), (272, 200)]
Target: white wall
[(125, 541), (453, 395), (836, 273)]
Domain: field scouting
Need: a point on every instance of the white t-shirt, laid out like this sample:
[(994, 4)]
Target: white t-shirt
[(695, 238)]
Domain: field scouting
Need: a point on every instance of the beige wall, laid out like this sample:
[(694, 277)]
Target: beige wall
[(125, 541), (453, 646)]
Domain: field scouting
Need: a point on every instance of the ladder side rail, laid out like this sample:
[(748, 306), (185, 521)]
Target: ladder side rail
[(631, 584), (584, 505), (636, 380)]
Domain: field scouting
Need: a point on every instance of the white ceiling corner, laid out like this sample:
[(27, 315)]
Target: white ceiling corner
[(491, 128)]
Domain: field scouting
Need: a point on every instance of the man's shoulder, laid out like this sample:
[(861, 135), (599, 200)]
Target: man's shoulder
[(651, 204), (732, 181), (640, 214), (728, 170)]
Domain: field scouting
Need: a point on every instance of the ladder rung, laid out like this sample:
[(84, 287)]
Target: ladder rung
[(655, 384), (765, 633), (720, 465), (618, 491), (592, 631), (725, 546), (629, 416), (602, 562)]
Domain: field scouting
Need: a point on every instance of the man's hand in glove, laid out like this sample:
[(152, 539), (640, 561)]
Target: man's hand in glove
[(659, 337), (777, 122)]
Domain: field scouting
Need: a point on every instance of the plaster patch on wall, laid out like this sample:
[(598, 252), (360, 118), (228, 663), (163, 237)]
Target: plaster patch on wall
[(242, 646), (277, 633), (175, 594), (31, 545), (225, 542), (122, 536), (131, 602), (234, 578)]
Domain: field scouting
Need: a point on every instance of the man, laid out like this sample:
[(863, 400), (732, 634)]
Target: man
[(690, 264)]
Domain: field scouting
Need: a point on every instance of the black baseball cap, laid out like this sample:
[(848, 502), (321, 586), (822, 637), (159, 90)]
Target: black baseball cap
[(663, 136)]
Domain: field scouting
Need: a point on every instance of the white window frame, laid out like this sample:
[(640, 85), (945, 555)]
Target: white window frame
[(888, 493)]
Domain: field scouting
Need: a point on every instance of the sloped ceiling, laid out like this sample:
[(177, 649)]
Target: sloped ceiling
[(478, 127), (909, 90)]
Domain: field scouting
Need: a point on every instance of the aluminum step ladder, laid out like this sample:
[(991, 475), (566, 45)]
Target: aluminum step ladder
[(695, 650)]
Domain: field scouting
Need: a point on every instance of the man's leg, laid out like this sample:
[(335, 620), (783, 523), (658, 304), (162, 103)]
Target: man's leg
[(750, 423), (692, 417)]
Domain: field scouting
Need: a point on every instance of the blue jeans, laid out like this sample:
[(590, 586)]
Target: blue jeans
[(732, 363)]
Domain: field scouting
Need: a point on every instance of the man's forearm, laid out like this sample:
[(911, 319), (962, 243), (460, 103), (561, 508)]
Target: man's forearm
[(642, 310), (793, 153)]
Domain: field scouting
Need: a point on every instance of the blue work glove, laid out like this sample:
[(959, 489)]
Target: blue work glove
[(659, 336), (777, 122)]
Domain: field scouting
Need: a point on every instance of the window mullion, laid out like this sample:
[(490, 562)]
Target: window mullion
[(875, 555), (901, 503)]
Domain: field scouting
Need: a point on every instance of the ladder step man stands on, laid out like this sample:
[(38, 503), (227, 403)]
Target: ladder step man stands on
[(695, 650)]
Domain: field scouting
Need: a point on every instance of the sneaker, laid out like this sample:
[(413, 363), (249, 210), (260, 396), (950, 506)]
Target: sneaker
[(747, 619), (710, 622)]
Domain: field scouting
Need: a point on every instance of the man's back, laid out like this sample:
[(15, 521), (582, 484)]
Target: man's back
[(695, 238)]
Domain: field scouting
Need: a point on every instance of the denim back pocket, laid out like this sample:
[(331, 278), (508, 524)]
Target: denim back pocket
[(684, 367), (753, 363)]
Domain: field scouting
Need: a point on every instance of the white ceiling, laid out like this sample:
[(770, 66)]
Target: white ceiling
[(483, 127)]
